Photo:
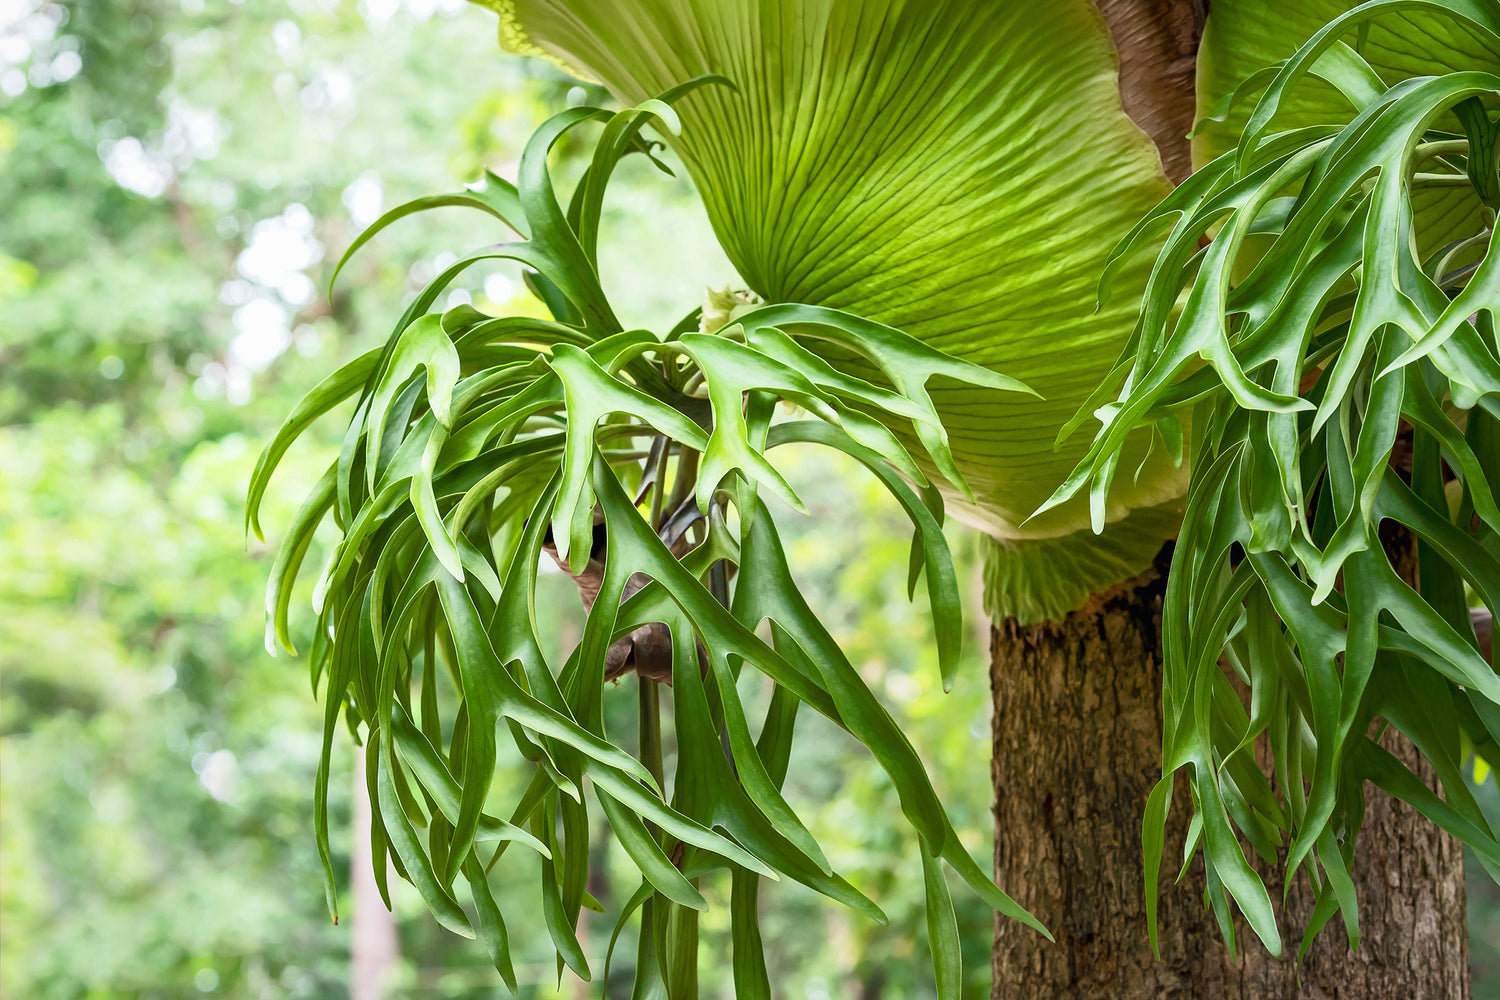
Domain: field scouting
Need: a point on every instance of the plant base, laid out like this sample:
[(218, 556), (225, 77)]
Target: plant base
[(1077, 745)]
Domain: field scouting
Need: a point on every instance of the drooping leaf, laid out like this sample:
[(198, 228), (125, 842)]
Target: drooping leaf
[(1324, 331), (480, 445)]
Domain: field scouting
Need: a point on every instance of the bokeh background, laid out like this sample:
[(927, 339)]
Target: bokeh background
[(176, 179)]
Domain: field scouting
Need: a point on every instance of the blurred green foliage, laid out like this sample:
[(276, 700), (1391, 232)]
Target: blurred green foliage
[(174, 177)]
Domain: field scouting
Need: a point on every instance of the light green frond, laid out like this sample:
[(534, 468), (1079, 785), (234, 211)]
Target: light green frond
[(1043, 580), (1244, 37), (952, 168)]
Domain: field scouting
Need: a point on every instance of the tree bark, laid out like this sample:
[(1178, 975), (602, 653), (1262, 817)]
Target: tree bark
[(1158, 45), (1077, 748)]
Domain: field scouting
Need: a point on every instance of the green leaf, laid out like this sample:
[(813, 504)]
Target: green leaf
[(428, 768), (491, 924), (327, 394), (414, 859), (591, 393), (908, 363), (1317, 328), (936, 560), (445, 488), (493, 194), (942, 931), (554, 917), (1243, 37), (648, 856), (766, 591), (289, 556), (749, 962), (423, 344), (959, 215)]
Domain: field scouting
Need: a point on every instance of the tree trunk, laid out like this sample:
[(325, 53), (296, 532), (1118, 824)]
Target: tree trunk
[(373, 946), (1077, 748)]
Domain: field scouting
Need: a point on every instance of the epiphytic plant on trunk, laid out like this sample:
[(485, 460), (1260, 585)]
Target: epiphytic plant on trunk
[(958, 170), (1335, 355), (639, 460)]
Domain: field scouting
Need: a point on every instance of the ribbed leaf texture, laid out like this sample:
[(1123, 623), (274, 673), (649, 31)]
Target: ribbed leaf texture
[(958, 169)]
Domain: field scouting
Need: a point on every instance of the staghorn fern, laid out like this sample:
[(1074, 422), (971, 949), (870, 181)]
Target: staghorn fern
[(1327, 320), (957, 169), (639, 461)]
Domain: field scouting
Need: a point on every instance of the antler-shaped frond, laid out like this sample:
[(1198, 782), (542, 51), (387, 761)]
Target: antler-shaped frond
[(1336, 378), (480, 444)]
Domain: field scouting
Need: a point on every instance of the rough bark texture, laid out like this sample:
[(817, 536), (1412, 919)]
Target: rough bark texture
[(1077, 747), (1158, 43)]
